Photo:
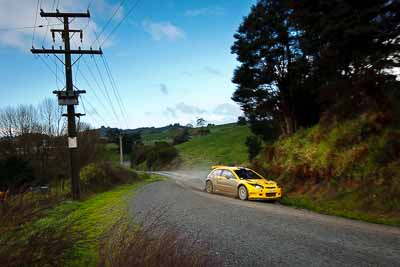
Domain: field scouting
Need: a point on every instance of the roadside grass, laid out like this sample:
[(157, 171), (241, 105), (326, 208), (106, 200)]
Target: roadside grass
[(343, 207), (225, 144), (69, 234)]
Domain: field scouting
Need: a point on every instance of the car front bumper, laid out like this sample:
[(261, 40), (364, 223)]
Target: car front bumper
[(266, 194)]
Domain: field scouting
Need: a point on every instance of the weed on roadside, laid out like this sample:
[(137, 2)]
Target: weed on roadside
[(155, 243)]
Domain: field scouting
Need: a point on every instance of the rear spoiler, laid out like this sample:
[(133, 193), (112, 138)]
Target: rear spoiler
[(224, 166), (217, 166)]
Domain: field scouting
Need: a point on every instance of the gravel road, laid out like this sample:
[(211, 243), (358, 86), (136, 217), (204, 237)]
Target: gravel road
[(245, 233)]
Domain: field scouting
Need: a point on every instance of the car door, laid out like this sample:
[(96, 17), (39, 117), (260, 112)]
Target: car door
[(214, 178), (228, 182)]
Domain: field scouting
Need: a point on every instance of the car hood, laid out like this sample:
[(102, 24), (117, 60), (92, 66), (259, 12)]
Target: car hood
[(262, 182)]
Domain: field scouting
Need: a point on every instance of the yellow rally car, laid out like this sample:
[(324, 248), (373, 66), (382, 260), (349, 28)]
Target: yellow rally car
[(241, 182)]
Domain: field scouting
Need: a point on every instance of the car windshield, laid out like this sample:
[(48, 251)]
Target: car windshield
[(247, 174)]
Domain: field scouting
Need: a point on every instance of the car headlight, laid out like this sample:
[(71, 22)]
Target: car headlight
[(258, 186)]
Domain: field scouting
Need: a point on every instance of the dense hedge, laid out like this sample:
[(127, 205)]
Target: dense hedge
[(98, 177), (161, 155)]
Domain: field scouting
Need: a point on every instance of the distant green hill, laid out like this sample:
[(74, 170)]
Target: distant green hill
[(166, 135), (224, 145)]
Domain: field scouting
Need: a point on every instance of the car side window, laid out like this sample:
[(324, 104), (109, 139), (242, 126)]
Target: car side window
[(228, 174), (215, 173)]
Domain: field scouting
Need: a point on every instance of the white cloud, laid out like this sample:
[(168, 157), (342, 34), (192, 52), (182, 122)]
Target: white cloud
[(22, 13), (189, 109), (223, 113), (163, 30), (207, 11)]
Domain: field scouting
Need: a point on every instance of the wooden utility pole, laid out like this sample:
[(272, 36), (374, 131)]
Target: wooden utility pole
[(69, 97)]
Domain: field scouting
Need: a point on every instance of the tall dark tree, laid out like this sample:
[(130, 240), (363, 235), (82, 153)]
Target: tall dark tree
[(273, 69), (254, 146), (351, 46)]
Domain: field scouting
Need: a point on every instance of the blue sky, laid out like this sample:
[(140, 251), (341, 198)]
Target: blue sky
[(170, 60)]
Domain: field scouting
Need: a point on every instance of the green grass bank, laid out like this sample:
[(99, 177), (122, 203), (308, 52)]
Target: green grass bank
[(349, 168), (70, 234)]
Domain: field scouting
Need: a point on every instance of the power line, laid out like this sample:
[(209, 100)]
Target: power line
[(77, 70), (48, 67), (93, 90), (105, 89), (48, 23), (56, 65), (84, 110), (108, 21), (115, 90), (97, 83), (83, 104), (34, 26), (95, 112), (122, 20), (107, 67), (27, 27)]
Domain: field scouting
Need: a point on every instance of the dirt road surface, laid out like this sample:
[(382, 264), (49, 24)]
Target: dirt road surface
[(248, 233)]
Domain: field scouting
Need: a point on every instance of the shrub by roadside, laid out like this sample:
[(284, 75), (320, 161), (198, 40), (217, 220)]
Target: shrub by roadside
[(98, 177), (160, 156)]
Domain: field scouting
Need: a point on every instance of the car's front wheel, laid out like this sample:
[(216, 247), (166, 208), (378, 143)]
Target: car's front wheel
[(209, 187), (242, 192)]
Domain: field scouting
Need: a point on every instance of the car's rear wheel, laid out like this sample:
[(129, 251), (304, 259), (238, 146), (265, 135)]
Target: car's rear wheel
[(209, 187), (243, 194)]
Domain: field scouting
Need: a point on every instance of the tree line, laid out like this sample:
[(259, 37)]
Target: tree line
[(33, 145), (305, 60)]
